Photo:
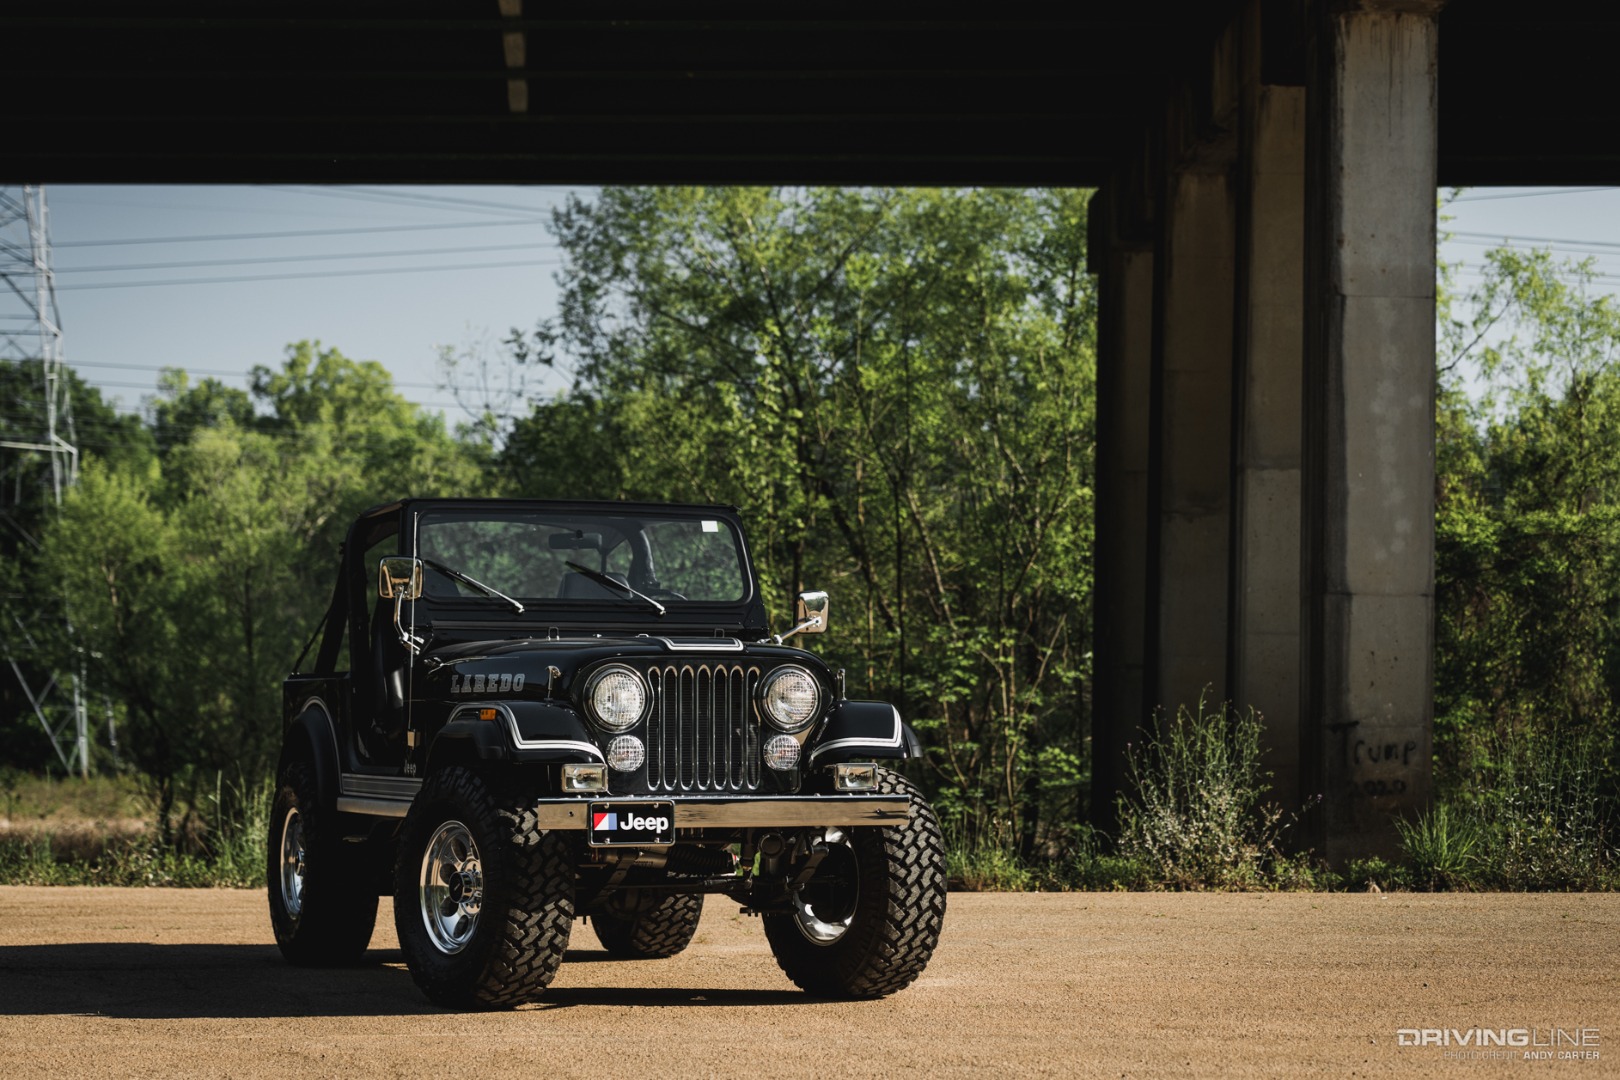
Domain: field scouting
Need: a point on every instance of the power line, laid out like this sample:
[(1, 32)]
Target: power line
[(152, 388), (23, 416), (254, 261), (1598, 246), (1529, 194), (314, 274), (120, 385), (220, 372), (451, 200), (293, 233), (1481, 274), (406, 198)]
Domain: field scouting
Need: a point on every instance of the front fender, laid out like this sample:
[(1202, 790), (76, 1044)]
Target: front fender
[(519, 731), (864, 731)]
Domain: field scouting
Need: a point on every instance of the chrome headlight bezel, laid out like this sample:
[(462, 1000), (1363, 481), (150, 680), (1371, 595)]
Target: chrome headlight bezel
[(789, 724), (594, 710)]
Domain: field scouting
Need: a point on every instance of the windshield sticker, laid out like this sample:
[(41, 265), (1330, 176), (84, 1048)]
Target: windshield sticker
[(711, 526)]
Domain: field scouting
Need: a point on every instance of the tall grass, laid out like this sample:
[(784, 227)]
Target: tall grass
[(1532, 812), (980, 854), (239, 822), (1441, 848), (225, 849)]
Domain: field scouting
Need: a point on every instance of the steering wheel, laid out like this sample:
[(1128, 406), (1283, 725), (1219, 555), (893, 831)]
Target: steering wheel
[(663, 594)]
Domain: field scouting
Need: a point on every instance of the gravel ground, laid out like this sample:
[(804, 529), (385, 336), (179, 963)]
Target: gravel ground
[(160, 982)]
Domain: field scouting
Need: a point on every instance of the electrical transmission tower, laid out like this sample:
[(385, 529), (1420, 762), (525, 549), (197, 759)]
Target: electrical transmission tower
[(36, 432)]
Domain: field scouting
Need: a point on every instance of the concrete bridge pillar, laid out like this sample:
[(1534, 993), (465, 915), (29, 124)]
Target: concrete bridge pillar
[(1190, 435), (1266, 411), (1266, 595), (1121, 255), (1368, 531)]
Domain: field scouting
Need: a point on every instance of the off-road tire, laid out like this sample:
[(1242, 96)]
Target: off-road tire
[(656, 933), (899, 910), (527, 908), (337, 904)]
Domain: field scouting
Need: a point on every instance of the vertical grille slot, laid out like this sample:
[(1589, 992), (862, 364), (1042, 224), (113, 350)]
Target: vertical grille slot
[(702, 734)]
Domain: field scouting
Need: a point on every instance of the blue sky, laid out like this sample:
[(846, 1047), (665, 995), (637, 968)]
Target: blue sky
[(218, 279), (1575, 223), (391, 274)]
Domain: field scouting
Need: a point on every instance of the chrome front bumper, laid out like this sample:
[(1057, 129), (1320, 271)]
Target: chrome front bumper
[(744, 812)]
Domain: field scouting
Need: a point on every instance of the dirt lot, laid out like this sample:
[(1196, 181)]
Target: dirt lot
[(117, 982)]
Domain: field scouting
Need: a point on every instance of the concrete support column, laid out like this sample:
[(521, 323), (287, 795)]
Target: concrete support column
[(1190, 475), (1122, 258), (1265, 662), (1368, 532)]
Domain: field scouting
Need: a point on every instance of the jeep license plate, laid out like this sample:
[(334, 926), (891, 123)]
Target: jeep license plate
[(644, 823)]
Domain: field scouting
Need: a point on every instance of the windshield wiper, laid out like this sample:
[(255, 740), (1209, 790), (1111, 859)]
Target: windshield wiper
[(612, 583), (479, 585)]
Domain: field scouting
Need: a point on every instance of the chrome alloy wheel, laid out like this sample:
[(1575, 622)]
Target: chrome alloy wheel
[(823, 912), (451, 887), (292, 863)]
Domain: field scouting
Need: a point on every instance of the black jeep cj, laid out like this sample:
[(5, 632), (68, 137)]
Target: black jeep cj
[(558, 709)]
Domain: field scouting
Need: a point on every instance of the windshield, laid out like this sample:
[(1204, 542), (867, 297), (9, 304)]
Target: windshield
[(525, 554)]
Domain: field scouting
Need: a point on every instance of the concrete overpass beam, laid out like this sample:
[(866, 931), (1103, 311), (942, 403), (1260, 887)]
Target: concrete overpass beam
[(1368, 530)]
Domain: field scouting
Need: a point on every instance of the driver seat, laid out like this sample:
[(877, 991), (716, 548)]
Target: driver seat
[(576, 586), (389, 661)]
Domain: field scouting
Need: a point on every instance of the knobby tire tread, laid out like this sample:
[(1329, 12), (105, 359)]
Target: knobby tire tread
[(339, 903), (895, 929), (528, 905), (658, 933)]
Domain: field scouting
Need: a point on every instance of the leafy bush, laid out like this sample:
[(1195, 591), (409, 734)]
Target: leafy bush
[(1373, 875), (1196, 814), (1092, 866)]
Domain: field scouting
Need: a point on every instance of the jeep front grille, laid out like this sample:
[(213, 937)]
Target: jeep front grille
[(702, 734)]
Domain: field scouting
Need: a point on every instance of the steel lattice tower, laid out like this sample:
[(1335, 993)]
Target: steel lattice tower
[(31, 331)]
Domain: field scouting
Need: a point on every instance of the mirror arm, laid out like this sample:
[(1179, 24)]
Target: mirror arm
[(406, 638), (814, 620)]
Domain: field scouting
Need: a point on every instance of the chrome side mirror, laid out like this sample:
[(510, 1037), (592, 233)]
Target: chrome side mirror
[(810, 615), (810, 612), (399, 578)]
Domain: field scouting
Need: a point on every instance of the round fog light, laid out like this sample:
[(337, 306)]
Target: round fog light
[(782, 752), (626, 753)]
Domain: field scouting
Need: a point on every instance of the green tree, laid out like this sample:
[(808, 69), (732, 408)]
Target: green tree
[(897, 387), (1528, 521), (195, 577), (113, 558), (26, 506)]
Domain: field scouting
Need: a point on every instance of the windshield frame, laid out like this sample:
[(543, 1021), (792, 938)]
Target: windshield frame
[(625, 609)]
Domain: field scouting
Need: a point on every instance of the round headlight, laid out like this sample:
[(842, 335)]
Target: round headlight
[(790, 698), (617, 698)]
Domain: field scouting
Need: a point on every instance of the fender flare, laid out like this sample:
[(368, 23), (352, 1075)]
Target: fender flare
[(864, 731), (312, 735), (520, 731)]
